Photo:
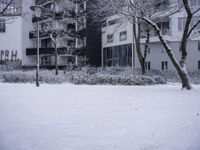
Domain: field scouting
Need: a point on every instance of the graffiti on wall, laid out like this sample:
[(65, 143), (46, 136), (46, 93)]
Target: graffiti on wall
[(6, 55)]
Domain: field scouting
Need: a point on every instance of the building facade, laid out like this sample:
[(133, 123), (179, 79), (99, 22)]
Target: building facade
[(73, 28), (118, 35), (110, 45)]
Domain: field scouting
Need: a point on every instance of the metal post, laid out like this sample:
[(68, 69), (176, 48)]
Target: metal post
[(102, 57), (76, 60), (38, 55)]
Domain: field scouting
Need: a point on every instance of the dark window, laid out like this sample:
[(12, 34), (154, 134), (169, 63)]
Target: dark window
[(104, 24), (71, 26), (164, 26), (112, 22), (199, 64), (71, 43), (164, 65), (46, 43), (198, 45), (118, 55), (109, 38), (2, 25), (123, 36), (46, 60), (148, 65)]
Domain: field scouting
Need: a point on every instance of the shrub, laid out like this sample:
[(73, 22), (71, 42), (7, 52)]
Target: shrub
[(86, 75), (29, 77)]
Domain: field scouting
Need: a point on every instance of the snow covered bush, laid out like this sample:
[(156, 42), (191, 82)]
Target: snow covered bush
[(29, 77), (113, 76), (86, 75)]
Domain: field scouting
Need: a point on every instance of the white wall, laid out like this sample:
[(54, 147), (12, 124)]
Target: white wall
[(116, 29), (27, 27), (11, 40)]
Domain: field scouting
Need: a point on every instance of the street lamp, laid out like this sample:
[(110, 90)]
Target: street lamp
[(42, 11), (37, 10)]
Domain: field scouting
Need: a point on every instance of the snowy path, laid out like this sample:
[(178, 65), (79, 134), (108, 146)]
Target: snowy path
[(69, 117)]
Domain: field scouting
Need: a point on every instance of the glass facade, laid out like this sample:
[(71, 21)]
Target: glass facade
[(118, 55)]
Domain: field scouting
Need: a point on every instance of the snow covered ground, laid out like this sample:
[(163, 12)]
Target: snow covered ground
[(71, 117)]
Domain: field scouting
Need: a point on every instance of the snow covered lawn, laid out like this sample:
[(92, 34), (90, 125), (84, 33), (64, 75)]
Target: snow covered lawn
[(71, 117)]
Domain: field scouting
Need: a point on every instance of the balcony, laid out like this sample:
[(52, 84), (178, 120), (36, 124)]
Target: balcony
[(50, 51), (33, 34), (45, 51), (40, 2), (58, 16), (166, 33)]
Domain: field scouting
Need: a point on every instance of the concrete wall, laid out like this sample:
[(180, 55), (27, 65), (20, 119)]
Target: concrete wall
[(11, 41), (157, 55), (27, 27)]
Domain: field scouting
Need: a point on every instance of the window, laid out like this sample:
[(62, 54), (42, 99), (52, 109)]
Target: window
[(45, 60), (164, 26), (199, 65), (181, 23), (109, 38), (104, 24), (46, 43), (2, 25), (148, 65), (198, 45), (71, 43), (71, 26), (123, 36), (118, 55), (112, 22), (164, 65)]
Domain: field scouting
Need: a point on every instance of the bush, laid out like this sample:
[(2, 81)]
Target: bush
[(86, 75), (113, 76), (29, 77)]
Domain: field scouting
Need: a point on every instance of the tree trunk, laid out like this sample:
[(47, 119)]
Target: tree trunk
[(181, 68), (143, 66), (56, 59), (137, 37)]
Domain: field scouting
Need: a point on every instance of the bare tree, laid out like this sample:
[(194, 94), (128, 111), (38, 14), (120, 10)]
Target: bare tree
[(60, 24), (188, 29)]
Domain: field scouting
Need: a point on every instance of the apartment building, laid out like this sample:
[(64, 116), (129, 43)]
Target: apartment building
[(63, 26), (117, 35), (18, 42)]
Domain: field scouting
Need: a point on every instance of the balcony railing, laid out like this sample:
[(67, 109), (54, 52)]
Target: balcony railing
[(39, 2), (45, 51), (163, 32)]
